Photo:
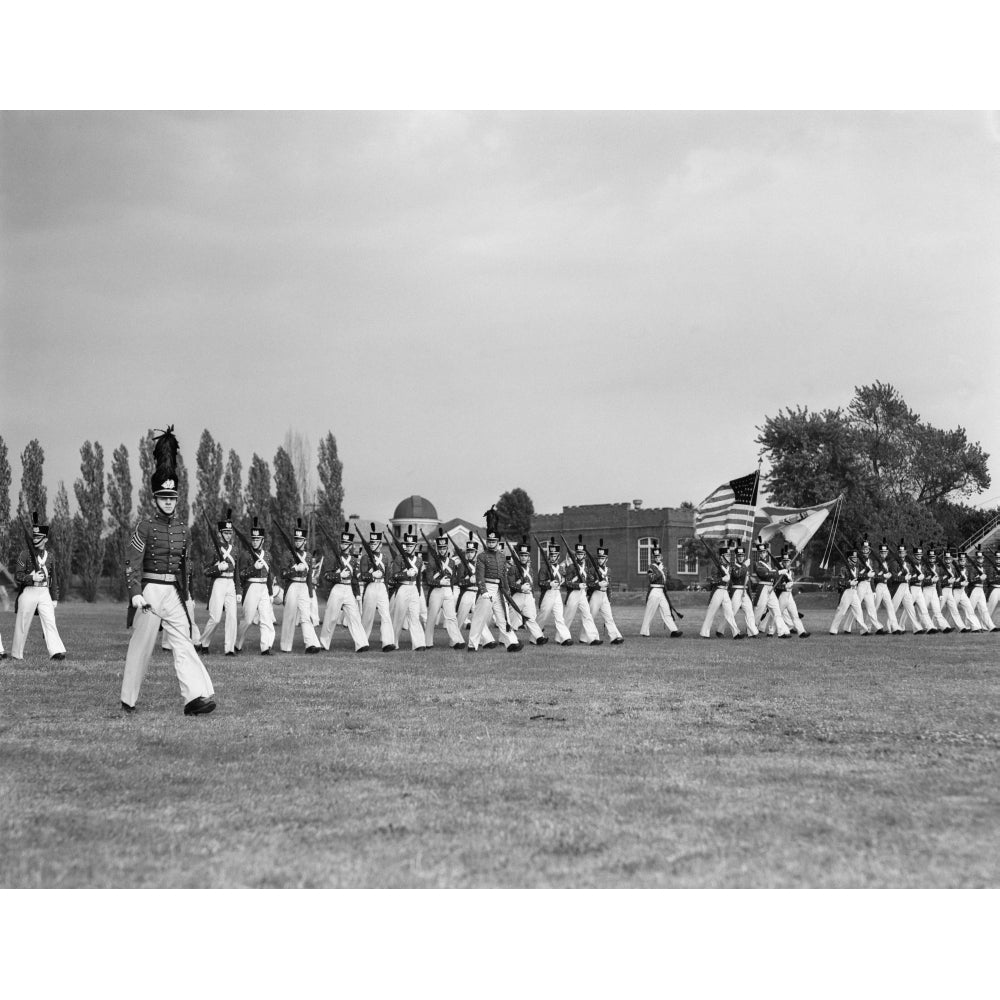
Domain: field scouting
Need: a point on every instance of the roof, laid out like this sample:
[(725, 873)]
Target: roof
[(415, 508)]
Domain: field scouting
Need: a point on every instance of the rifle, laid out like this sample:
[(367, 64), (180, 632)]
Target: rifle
[(432, 552), (297, 556), (213, 535), (519, 569)]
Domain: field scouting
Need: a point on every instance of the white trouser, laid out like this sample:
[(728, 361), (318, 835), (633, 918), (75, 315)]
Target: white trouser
[(867, 602), (488, 606), (376, 598), (767, 604), (527, 613), (965, 611), (932, 602), (656, 602), (165, 605), (221, 601), (949, 606), (883, 599), (466, 606), (257, 610), (903, 606), (442, 601), (30, 599), (739, 599), (551, 606), (719, 600), (848, 602), (1, 644), (790, 611), (343, 601), (600, 611), (298, 611), (406, 611), (979, 608), (423, 605), (577, 601), (994, 599)]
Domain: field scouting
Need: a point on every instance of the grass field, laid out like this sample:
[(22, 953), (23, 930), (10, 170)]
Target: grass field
[(824, 762)]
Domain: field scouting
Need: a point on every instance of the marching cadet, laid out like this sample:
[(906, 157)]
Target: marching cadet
[(406, 574), (600, 600), (298, 595), (38, 593), (575, 582), (994, 585), (866, 597), (931, 592), (656, 596), (767, 602), (157, 576), (918, 587), (977, 591), (849, 595), (961, 593), (882, 596), (550, 604), (222, 598), (720, 597), (739, 599), (949, 580), (440, 571), (342, 600), (258, 582), (493, 591), (902, 599), (783, 588), (468, 591), (523, 599), (374, 573)]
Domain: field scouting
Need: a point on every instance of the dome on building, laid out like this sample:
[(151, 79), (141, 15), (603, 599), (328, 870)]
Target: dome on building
[(415, 508)]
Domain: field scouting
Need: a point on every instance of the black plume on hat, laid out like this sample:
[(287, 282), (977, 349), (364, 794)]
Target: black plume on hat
[(492, 520), (164, 478)]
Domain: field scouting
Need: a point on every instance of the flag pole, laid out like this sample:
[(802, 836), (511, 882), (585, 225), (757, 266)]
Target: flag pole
[(756, 506)]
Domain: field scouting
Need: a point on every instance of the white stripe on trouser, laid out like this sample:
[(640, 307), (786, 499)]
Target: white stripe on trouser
[(600, 611), (297, 611), (719, 599), (933, 605), (488, 605), (342, 599), (577, 601), (221, 601), (848, 602), (790, 611), (257, 610), (656, 602), (407, 612), (978, 601), (740, 602), (965, 608), (376, 598), (552, 607), (867, 602), (466, 606), (30, 599), (164, 605), (442, 601), (527, 612)]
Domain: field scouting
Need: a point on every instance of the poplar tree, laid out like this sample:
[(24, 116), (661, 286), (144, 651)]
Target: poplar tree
[(232, 485), (330, 494), (119, 516), (207, 501), (62, 536), (258, 495), (33, 496), (288, 503), (5, 481), (89, 490)]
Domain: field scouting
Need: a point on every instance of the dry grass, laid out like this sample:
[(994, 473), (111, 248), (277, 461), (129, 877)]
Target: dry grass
[(661, 763)]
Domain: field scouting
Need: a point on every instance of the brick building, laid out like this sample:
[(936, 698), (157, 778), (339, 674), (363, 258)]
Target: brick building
[(628, 531)]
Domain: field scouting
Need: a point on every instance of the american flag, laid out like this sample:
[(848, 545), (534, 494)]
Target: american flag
[(728, 510)]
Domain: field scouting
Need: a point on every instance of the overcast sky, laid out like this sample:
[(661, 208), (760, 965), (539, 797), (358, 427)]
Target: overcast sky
[(596, 307)]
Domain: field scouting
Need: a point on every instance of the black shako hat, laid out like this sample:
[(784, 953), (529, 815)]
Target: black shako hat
[(164, 478)]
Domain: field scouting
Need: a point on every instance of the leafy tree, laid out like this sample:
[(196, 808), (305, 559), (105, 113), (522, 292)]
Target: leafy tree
[(288, 502), (330, 495), (207, 502), (686, 505), (119, 517), (89, 522), (232, 484), (258, 488), (5, 481), (515, 510), (33, 495), (62, 535), (299, 451)]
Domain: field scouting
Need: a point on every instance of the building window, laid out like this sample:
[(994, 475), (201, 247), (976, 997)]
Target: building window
[(687, 557), (645, 553)]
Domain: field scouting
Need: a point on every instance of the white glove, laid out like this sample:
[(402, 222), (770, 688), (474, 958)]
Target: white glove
[(525, 589), (377, 575), (55, 604), (38, 576), (138, 602), (259, 564), (239, 598), (604, 584), (300, 567), (411, 573), (221, 565)]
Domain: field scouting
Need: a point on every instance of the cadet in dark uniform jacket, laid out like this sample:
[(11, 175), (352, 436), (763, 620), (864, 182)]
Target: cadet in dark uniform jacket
[(38, 593)]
